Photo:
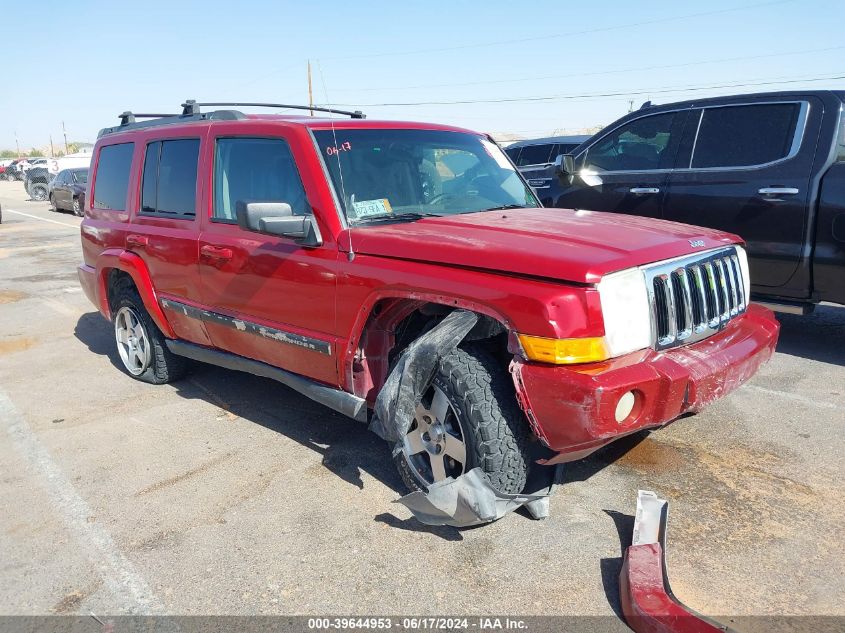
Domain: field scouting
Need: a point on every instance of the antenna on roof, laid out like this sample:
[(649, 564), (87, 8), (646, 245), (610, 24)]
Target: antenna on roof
[(645, 105)]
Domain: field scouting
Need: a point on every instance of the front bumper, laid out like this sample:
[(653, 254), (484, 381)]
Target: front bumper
[(573, 409)]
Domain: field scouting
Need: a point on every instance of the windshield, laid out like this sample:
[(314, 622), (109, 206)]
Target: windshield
[(387, 174)]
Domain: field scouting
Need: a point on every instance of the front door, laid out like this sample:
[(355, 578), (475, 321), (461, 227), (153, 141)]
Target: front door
[(268, 298), (747, 171), (627, 169)]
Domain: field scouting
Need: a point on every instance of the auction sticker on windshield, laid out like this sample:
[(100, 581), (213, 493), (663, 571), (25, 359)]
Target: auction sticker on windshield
[(368, 208)]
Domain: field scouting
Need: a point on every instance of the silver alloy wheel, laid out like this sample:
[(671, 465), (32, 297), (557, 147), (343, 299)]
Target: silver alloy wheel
[(434, 446), (39, 192), (133, 344)]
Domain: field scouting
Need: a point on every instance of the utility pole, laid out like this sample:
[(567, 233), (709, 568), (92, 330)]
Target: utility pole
[(17, 145), (630, 105), (52, 153), (310, 93), (67, 151)]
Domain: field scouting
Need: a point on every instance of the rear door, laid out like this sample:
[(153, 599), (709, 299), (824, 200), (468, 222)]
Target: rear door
[(627, 169), (164, 228), (267, 297), (534, 161), (748, 171)]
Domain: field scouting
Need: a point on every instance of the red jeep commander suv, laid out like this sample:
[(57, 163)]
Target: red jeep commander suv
[(316, 250)]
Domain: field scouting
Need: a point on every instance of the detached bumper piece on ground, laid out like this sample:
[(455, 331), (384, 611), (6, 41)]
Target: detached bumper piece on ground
[(647, 600)]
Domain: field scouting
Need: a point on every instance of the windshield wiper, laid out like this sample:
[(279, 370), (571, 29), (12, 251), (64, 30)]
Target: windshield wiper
[(505, 207), (414, 215)]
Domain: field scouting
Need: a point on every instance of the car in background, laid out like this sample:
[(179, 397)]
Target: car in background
[(30, 163), (769, 167), (535, 159), (36, 181), (67, 190), (13, 170)]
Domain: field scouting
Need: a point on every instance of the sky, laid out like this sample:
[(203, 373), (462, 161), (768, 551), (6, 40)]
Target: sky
[(531, 68)]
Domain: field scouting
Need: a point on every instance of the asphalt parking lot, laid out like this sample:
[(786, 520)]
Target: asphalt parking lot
[(229, 494)]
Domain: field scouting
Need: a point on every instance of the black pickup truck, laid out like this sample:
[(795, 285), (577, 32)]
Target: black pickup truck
[(769, 167)]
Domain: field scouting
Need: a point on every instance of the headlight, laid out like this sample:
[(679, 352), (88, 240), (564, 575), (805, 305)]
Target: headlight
[(626, 311)]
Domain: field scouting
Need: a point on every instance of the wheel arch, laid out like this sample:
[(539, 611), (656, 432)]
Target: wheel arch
[(114, 264), (378, 333)]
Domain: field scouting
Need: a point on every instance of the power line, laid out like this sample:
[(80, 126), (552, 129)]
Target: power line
[(567, 34), (651, 91), (597, 72)]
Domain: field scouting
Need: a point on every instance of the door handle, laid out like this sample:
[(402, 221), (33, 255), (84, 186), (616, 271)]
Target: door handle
[(643, 190), (778, 191), (137, 240), (216, 252)]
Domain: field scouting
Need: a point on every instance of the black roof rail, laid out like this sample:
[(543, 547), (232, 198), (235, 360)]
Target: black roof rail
[(193, 107)]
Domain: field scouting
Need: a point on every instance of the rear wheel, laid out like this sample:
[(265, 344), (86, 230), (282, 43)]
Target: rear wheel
[(467, 418), (140, 344), (38, 191)]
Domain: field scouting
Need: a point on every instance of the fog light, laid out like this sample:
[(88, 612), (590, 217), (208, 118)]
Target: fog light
[(625, 406)]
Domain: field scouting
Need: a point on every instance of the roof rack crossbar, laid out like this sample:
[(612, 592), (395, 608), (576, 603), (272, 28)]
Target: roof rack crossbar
[(193, 107), (129, 117)]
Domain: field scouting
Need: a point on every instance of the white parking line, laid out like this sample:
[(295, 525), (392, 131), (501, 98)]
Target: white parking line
[(35, 217), (129, 588)]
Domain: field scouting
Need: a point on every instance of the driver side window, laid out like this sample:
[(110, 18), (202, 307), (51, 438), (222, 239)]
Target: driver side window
[(637, 146), (255, 170)]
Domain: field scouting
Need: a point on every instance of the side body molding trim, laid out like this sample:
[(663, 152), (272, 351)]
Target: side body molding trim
[(341, 401)]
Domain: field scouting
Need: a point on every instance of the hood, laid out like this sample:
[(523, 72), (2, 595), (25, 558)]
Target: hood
[(564, 244)]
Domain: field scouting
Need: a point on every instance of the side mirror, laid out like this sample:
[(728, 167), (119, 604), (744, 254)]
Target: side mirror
[(276, 218), (565, 165)]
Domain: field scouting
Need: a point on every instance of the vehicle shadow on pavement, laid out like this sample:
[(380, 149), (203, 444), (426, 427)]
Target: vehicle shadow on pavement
[(610, 567), (584, 469), (819, 336), (347, 448)]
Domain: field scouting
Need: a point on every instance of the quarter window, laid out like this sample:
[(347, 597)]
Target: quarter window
[(255, 170), (640, 145), (740, 136), (112, 179), (169, 186)]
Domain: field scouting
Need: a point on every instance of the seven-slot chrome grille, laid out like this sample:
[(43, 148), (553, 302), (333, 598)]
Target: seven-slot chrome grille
[(694, 297)]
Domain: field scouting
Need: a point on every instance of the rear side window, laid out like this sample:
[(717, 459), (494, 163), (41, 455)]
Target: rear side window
[(112, 180), (535, 155), (840, 138), (255, 170), (169, 186), (741, 136)]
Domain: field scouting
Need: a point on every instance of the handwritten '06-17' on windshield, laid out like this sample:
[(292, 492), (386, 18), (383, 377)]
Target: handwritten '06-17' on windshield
[(331, 150)]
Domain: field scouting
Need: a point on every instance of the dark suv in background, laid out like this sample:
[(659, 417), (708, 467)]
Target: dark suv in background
[(769, 167), (535, 159)]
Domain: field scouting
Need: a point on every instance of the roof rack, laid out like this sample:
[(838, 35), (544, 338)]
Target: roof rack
[(129, 117), (191, 112), (192, 107)]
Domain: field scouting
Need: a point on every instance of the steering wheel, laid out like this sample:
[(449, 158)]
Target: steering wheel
[(443, 196)]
